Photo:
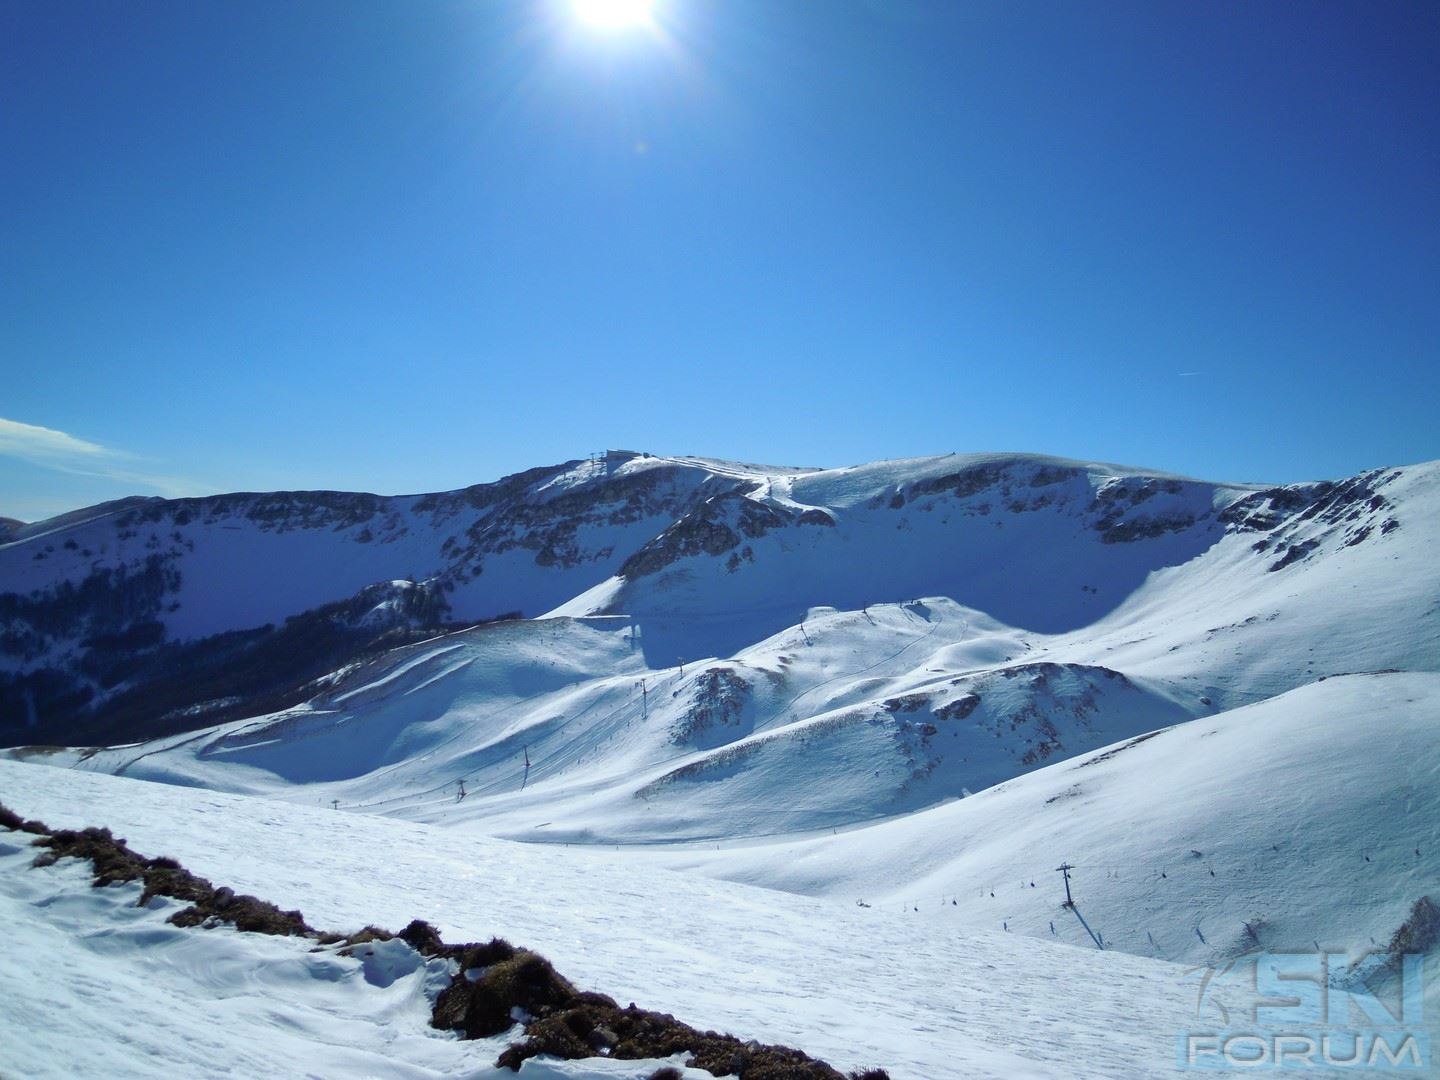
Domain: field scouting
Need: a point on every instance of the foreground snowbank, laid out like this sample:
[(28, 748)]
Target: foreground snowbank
[(95, 986), (856, 987)]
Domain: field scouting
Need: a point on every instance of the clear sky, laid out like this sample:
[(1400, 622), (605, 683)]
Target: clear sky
[(412, 245)]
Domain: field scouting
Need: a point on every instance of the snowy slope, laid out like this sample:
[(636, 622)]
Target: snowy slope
[(95, 985), (1315, 812), (855, 986), (174, 583), (707, 557), (850, 717), (1314, 816), (917, 684), (243, 560), (845, 716)]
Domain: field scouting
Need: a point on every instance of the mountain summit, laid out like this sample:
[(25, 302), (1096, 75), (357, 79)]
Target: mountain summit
[(149, 616)]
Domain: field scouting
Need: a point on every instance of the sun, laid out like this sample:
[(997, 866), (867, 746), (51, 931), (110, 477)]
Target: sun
[(614, 14)]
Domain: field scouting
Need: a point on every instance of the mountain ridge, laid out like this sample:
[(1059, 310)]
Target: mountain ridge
[(172, 581), (811, 680)]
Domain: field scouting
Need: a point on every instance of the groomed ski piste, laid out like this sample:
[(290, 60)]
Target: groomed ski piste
[(813, 788)]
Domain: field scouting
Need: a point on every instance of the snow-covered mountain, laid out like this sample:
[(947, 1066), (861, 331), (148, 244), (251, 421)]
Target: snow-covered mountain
[(108, 614), (1309, 818), (917, 686), (729, 651), (144, 617)]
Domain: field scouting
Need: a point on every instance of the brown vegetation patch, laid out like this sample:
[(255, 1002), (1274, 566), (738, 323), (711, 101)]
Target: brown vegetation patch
[(495, 983)]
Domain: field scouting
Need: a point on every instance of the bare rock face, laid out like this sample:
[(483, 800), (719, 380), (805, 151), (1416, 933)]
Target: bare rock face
[(715, 715), (717, 526), (1297, 521)]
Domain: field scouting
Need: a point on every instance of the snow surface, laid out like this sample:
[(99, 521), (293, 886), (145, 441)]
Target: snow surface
[(1314, 817), (842, 717), (97, 986), (922, 706), (855, 986)]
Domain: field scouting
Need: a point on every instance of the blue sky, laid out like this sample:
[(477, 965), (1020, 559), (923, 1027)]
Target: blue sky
[(414, 245)]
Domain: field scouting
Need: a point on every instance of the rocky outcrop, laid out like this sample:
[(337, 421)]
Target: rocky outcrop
[(494, 984), (717, 526), (1296, 521)]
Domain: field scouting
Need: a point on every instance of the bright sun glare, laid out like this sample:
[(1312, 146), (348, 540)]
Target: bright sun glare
[(613, 13)]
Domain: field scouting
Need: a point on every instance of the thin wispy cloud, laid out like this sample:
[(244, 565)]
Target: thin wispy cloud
[(66, 453)]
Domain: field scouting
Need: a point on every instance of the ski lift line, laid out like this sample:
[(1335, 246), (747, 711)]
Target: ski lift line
[(661, 766), (483, 789), (503, 781), (555, 730), (381, 773), (569, 754), (573, 751), (879, 663), (386, 770)]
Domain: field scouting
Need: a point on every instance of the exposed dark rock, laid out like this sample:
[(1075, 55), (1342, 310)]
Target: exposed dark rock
[(631, 1033), (816, 517), (1419, 933), (1327, 503), (1126, 532), (279, 511), (1045, 475), (906, 703), (481, 1007), (1293, 553), (714, 527), (13, 821), (720, 697), (1108, 754), (495, 981), (960, 708), (962, 484)]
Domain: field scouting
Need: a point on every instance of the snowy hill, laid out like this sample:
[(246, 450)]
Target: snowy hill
[(194, 582), (593, 727), (854, 986), (1313, 817), (106, 613), (917, 685), (711, 688)]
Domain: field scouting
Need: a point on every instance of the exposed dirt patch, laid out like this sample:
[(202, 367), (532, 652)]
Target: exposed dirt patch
[(495, 981)]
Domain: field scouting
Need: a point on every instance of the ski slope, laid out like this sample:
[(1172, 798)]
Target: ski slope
[(580, 728), (707, 559), (1312, 817), (857, 987), (769, 714)]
